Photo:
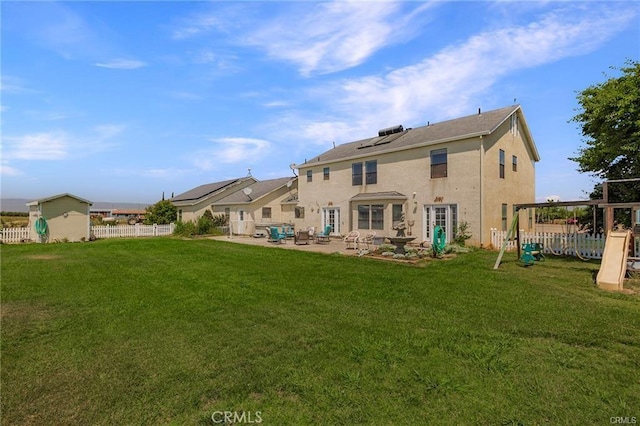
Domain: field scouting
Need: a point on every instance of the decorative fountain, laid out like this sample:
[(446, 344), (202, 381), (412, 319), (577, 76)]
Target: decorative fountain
[(400, 240)]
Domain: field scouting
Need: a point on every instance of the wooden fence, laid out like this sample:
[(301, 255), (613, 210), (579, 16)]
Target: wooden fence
[(17, 235), (588, 246)]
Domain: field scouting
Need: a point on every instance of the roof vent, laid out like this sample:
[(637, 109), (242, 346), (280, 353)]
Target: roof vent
[(391, 130)]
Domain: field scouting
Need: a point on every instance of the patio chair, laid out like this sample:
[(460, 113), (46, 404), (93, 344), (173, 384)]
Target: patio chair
[(351, 240), (323, 237), (312, 232), (288, 231), (367, 241), (276, 236), (301, 237)]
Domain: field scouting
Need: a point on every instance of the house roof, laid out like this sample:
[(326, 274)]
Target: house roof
[(53, 197), (200, 192), (475, 125), (258, 190)]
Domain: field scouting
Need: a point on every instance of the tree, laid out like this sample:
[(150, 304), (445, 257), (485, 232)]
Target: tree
[(610, 120), (162, 212)]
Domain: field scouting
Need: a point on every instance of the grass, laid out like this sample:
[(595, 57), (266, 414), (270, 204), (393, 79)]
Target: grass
[(169, 331)]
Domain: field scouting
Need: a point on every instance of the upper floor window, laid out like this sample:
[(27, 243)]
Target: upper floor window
[(325, 173), (299, 212), (309, 176), (371, 169), (266, 212), (439, 163), (514, 163), (501, 164), (356, 174)]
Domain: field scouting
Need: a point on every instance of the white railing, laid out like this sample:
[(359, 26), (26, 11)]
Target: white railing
[(132, 231), (588, 246), (15, 235)]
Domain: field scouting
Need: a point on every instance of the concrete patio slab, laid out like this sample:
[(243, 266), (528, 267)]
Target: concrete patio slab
[(333, 246)]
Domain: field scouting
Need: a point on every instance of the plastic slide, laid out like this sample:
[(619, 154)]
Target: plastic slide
[(614, 261)]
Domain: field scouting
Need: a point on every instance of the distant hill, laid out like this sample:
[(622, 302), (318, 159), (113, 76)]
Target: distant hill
[(20, 205)]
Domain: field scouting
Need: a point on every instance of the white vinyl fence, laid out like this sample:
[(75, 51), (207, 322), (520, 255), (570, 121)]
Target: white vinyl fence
[(17, 235), (132, 231), (14, 235), (588, 246)]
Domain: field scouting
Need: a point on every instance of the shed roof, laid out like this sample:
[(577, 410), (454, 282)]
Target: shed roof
[(54, 197), (475, 125)]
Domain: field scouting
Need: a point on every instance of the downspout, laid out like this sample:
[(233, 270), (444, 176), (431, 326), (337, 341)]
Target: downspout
[(481, 192)]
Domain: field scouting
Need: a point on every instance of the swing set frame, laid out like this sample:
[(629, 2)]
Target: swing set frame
[(514, 230)]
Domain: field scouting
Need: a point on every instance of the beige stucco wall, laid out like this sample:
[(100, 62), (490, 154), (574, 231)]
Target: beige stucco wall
[(516, 187), (406, 172), (472, 185), (67, 219)]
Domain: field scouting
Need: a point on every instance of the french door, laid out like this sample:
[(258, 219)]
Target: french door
[(331, 217), (442, 215)]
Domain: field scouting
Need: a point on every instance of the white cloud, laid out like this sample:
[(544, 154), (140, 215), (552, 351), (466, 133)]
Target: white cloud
[(232, 150), (330, 36), (450, 82), (318, 37), (37, 146), (7, 170), (121, 64), (159, 173)]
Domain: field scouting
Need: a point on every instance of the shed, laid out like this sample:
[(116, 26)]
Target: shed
[(63, 217)]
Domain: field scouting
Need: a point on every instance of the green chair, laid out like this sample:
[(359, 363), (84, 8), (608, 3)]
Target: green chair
[(323, 237), (276, 236)]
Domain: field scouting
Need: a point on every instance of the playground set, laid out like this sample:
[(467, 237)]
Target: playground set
[(616, 260)]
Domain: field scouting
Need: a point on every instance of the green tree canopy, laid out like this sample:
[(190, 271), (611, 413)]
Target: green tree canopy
[(162, 213), (610, 121)]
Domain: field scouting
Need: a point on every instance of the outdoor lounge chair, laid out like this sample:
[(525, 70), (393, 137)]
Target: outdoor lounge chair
[(351, 240), (301, 237), (367, 241), (323, 237), (276, 236)]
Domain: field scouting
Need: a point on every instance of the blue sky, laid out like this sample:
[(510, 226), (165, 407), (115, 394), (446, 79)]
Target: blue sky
[(122, 101)]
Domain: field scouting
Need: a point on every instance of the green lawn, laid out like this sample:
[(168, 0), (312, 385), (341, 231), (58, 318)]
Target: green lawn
[(169, 331)]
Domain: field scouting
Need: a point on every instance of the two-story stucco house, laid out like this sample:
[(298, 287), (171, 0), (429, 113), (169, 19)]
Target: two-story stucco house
[(471, 169)]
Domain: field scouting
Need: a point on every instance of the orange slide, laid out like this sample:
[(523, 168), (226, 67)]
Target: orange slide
[(614, 261)]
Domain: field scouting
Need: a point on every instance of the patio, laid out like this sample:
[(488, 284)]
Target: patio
[(334, 245)]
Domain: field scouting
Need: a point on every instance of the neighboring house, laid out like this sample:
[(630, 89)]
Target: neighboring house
[(261, 204), (66, 216), (471, 169), (193, 203)]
